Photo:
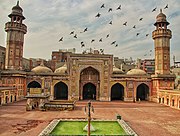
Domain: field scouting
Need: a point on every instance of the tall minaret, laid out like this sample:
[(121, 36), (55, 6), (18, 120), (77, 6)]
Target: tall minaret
[(162, 37), (163, 79), (15, 38)]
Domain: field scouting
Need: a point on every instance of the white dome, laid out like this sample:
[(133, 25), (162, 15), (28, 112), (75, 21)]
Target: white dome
[(117, 70), (41, 69), (61, 70), (136, 72)]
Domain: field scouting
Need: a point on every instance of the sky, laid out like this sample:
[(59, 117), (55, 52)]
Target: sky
[(49, 20)]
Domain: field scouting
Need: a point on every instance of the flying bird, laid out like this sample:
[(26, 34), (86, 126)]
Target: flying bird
[(154, 9), (110, 9), (113, 42), (92, 40), (137, 34), (107, 35), (119, 8), (100, 40), (134, 26), (110, 22), (116, 45), (71, 32), (125, 24), (166, 6), (140, 19), (82, 45), (61, 39), (85, 29), (147, 35), (102, 6), (75, 36), (102, 50), (98, 15)]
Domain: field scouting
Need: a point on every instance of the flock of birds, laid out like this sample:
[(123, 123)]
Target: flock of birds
[(98, 15)]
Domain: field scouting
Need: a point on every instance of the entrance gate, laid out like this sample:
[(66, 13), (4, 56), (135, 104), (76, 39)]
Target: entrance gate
[(89, 91)]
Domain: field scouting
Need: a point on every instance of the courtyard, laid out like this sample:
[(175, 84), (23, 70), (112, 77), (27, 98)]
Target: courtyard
[(145, 118)]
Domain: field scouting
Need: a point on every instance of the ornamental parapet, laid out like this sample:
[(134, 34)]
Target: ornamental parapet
[(161, 33), (15, 27)]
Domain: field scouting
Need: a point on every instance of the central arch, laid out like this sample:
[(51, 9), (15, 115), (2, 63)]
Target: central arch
[(60, 91), (117, 92), (89, 83), (142, 92), (89, 92)]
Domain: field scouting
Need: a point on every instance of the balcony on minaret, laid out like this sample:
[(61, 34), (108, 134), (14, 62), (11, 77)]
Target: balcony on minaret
[(16, 20), (162, 33), (15, 26), (161, 27)]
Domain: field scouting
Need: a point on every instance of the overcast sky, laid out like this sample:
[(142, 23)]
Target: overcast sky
[(49, 20)]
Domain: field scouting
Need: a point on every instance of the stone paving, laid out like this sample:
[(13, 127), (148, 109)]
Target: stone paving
[(145, 118)]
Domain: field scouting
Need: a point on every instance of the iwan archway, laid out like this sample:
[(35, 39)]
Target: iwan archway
[(142, 92), (60, 91), (89, 92), (89, 84), (34, 84), (117, 92)]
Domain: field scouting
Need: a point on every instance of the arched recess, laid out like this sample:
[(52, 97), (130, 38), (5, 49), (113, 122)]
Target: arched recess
[(89, 83), (142, 92), (89, 92), (60, 91), (117, 92), (34, 84)]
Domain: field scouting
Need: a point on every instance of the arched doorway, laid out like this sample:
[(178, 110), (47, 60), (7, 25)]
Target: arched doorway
[(89, 84), (89, 92), (142, 92), (6, 101), (117, 92), (61, 91)]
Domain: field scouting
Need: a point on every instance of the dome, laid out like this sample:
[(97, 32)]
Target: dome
[(41, 69), (61, 70), (17, 11), (136, 72), (161, 18), (17, 7), (117, 70)]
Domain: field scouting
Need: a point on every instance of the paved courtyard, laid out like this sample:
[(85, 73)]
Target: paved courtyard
[(146, 118)]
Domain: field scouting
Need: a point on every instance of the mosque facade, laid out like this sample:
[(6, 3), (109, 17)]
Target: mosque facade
[(88, 76)]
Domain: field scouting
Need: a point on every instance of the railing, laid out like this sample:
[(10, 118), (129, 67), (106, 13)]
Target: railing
[(15, 25)]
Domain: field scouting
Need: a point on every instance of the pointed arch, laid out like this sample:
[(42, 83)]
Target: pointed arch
[(142, 92), (89, 91), (60, 91), (34, 84), (117, 92)]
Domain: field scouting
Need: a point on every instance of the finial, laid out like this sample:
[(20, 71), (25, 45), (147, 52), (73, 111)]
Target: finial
[(18, 3), (160, 10)]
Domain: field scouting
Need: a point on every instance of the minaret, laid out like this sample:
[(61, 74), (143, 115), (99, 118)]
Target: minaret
[(162, 37), (15, 38), (163, 79)]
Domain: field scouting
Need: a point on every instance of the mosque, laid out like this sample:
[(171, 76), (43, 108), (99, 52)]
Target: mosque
[(88, 76)]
